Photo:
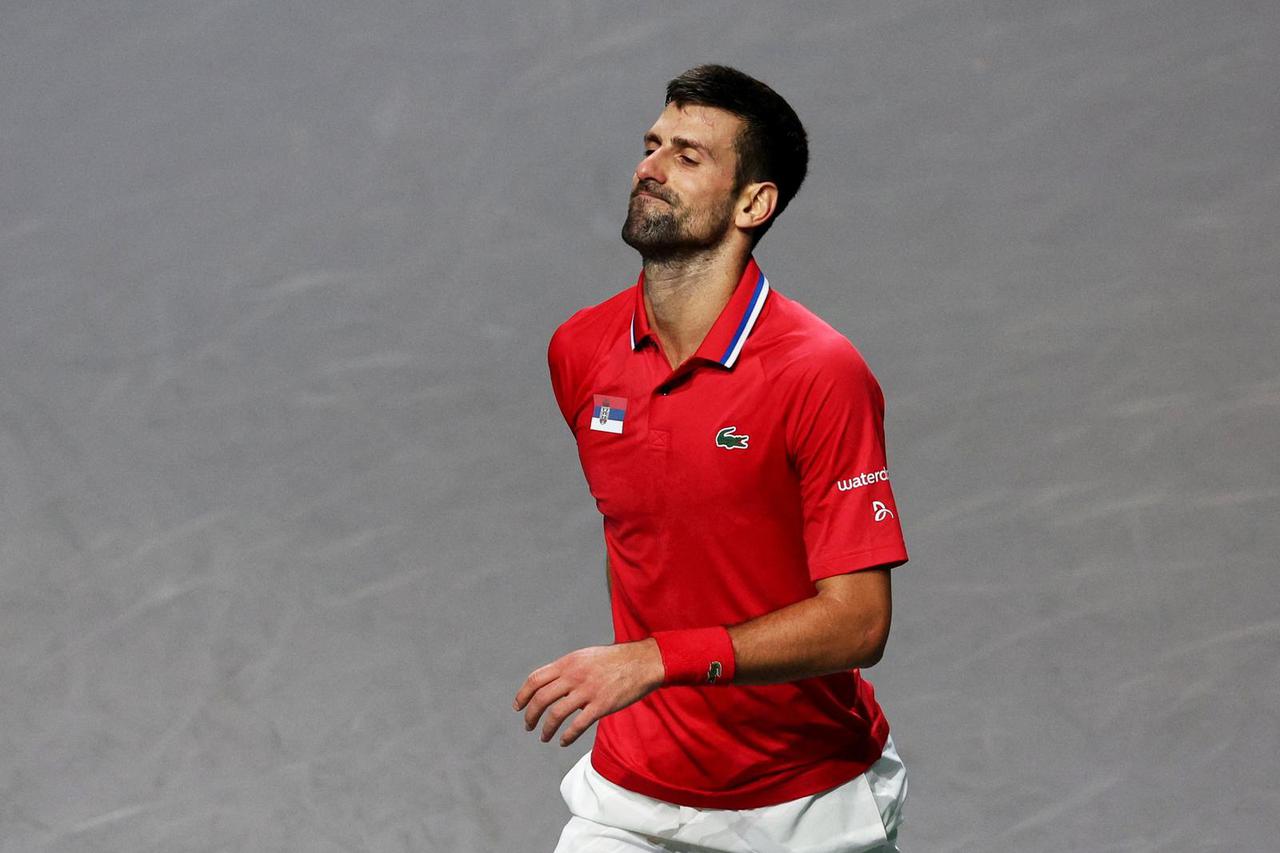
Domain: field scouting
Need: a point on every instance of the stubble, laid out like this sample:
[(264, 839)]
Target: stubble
[(664, 230)]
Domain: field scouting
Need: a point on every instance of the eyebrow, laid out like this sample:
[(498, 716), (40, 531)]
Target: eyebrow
[(681, 142)]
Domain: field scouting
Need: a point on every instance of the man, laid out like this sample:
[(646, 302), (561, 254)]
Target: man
[(734, 444)]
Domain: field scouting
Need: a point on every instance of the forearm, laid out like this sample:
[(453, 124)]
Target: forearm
[(846, 625)]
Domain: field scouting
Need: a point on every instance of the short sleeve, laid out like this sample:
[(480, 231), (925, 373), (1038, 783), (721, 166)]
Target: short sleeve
[(838, 449), (564, 384)]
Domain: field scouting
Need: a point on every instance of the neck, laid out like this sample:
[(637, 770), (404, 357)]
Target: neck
[(685, 295)]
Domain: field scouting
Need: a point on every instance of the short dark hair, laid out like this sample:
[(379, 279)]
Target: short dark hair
[(772, 145)]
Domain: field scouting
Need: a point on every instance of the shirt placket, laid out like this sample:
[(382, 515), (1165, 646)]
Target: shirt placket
[(662, 420)]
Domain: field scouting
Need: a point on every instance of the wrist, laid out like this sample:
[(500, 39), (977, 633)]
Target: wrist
[(696, 656), (654, 671)]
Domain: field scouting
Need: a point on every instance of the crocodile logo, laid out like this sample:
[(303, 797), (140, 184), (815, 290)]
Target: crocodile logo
[(729, 441)]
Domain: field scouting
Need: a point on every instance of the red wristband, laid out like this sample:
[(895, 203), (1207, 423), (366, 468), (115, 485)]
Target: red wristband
[(696, 655)]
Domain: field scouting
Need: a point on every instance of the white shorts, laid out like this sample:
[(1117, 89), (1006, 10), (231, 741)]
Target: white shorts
[(860, 816)]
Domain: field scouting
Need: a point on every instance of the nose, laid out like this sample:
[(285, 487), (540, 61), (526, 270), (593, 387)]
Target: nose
[(650, 168)]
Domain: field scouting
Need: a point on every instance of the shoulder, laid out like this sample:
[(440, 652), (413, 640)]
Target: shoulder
[(805, 349), (589, 329), (825, 390)]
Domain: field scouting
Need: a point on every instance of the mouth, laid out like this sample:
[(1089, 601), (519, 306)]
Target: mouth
[(642, 194)]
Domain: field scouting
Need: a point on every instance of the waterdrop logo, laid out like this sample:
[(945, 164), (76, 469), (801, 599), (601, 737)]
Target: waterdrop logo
[(863, 480)]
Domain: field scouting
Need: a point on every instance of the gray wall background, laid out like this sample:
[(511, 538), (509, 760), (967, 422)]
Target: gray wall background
[(288, 512)]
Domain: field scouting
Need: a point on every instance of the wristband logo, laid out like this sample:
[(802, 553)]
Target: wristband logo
[(729, 441), (865, 479), (714, 672)]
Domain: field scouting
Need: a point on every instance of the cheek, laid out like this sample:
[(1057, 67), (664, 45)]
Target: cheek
[(716, 206), (719, 196)]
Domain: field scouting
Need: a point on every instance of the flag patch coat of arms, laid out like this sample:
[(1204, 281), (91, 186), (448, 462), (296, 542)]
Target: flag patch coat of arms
[(607, 413)]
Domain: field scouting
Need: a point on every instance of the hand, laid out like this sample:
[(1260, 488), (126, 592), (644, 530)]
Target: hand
[(595, 681)]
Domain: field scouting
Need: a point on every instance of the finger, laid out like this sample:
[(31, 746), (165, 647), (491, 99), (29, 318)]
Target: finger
[(557, 689), (580, 724), (557, 714), (539, 677)]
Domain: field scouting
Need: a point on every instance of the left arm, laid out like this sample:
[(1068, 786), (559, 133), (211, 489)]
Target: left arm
[(845, 625)]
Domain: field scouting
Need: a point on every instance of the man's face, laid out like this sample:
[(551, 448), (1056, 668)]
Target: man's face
[(682, 192)]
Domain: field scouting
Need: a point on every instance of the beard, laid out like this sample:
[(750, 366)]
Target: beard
[(666, 231)]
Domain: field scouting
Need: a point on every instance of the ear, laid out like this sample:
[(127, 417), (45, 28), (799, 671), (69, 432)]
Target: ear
[(756, 204)]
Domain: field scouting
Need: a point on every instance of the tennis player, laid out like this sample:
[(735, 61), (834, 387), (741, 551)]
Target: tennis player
[(734, 445)]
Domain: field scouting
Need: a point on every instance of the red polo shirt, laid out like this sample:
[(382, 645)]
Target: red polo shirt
[(728, 486)]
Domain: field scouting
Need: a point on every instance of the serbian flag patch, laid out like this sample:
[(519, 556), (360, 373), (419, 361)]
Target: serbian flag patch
[(607, 413)]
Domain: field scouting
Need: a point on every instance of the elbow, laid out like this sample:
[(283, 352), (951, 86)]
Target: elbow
[(871, 642), (874, 652), (859, 608), (871, 652)]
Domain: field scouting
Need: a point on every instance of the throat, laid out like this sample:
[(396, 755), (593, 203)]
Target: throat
[(683, 305), (681, 324)]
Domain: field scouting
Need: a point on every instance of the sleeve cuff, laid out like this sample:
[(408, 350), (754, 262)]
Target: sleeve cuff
[(888, 556)]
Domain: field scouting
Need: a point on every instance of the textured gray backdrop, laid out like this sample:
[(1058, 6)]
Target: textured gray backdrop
[(287, 511)]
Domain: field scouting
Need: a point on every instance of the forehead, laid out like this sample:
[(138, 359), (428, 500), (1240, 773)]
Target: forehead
[(710, 126)]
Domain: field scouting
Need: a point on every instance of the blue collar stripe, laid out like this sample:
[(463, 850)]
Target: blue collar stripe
[(748, 320)]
